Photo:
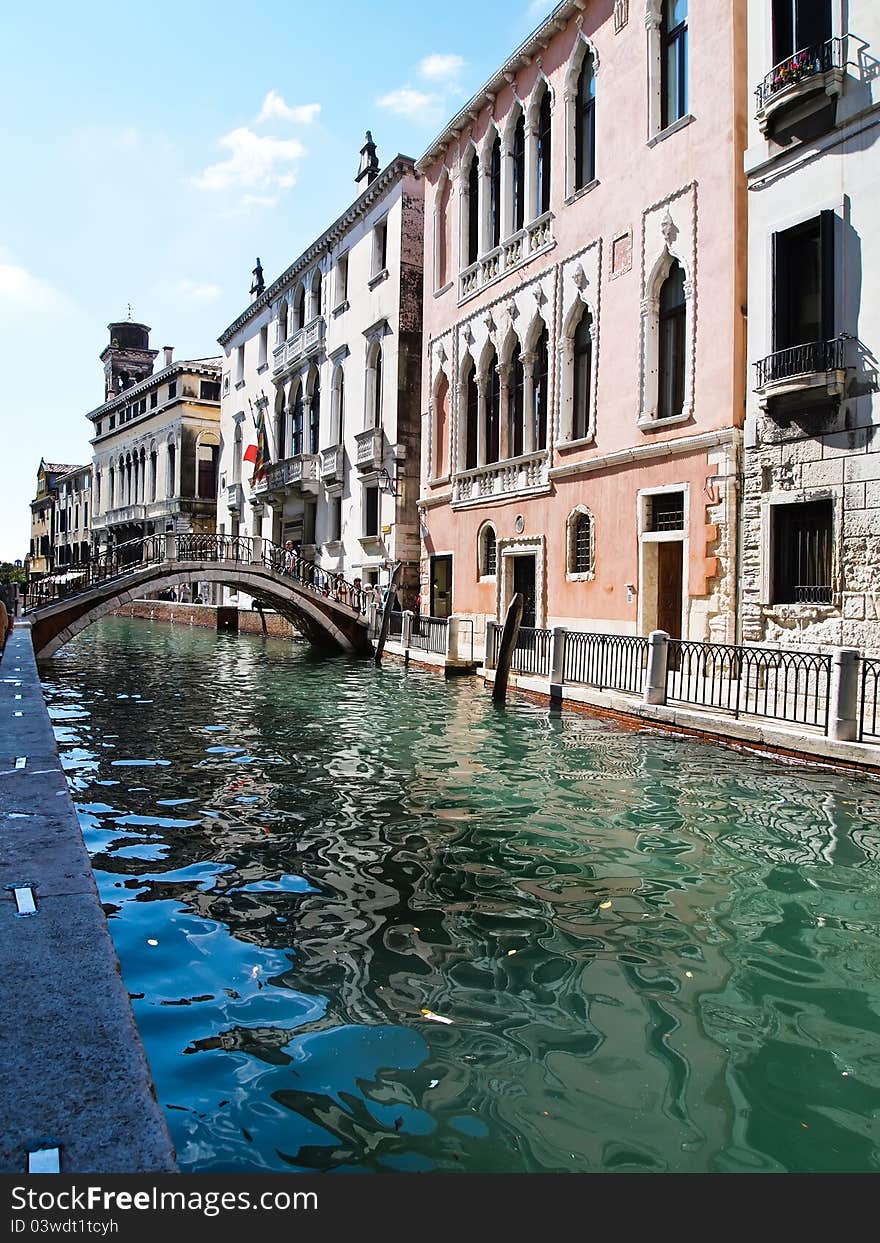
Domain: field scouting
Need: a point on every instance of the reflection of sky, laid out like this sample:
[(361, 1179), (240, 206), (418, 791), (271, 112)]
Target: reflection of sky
[(640, 942)]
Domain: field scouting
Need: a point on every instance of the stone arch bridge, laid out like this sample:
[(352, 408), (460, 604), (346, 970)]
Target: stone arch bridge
[(329, 611)]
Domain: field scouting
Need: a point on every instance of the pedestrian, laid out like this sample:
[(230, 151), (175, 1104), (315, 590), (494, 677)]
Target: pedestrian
[(172, 594), (185, 594), (289, 557)]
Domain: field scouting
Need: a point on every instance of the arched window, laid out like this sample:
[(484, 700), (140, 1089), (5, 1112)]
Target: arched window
[(441, 234), (441, 426), (672, 344), (282, 321), (316, 294), (280, 431), (296, 436), (581, 377), (473, 212), (494, 230), (338, 398), (171, 474), (143, 475), (299, 308), (544, 154), (585, 125), (315, 416), (673, 61), (516, 404), (487, 552), (154, 469), (541, 391), (581, 543), (110, 482), (493, 410), (471, 405), (518, 186), (376, 392), (207, 453), (236, 454)]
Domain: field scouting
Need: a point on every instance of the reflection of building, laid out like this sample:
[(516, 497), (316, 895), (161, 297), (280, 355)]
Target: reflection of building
[(72, 504), (585, 279), (811, 510), (330, 354), (44, 516), (156, 441)]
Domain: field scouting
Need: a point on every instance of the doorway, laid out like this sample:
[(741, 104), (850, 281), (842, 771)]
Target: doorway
[(524, 583), (441, 586), (669, 584)]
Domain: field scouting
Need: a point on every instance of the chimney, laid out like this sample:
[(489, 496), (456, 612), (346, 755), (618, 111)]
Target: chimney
[(169, 351), (369, 165)]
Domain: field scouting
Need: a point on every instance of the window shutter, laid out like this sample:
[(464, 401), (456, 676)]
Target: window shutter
[(826, 246)]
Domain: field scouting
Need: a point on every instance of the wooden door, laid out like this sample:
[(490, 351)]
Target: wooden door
[(669, 584)]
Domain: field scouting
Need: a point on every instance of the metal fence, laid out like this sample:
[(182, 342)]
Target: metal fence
[(429, 633), (607, 661), (755, 681), (869, 708), (531, 654)]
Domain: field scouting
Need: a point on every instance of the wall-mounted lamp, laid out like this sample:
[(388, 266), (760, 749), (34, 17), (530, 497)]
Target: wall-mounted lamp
[(386, 483)]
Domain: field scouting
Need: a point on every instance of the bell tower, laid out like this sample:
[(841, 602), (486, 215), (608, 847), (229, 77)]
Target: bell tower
[(128, 358)]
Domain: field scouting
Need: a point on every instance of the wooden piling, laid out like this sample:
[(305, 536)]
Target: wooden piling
[(509, 636), (386, 612)]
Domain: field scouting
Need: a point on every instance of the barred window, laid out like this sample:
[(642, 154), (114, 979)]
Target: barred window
[(583, 544), (488, 558)]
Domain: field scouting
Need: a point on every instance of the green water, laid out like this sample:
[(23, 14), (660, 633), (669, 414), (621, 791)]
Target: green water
[(655, 955)]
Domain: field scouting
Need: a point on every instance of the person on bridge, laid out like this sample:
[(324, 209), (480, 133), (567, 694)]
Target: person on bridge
[(289, 557)]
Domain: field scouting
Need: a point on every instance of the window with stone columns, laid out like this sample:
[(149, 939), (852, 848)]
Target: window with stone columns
[(282, 321), (280, 427), (441, 231), (299, 308), (515, 403), (374, 386), (315, 295), (440, 429), (580, 116), (577, 419), (469, 207), (236, 454), (314, 391), (580, 543), (668, 313), (337, 403), (538, 399), (514, 158), (489, 192), (470, 404), (539, 155), (489, 442), (667, 27), (297, 410)]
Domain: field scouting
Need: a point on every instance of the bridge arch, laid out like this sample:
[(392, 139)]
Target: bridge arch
[(328, 612)]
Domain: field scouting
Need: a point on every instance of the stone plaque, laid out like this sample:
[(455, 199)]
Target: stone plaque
[(622, 253)]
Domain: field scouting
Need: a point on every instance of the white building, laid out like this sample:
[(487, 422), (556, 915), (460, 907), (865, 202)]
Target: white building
[(330, 353), (811, 513)]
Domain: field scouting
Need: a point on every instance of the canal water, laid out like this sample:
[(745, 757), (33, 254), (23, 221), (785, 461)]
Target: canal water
[(369, 923)]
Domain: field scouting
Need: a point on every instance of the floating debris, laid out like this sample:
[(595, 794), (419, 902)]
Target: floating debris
[(435, 1018)]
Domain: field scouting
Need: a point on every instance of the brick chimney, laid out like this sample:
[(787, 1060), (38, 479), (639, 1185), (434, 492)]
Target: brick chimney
[(169, 351)]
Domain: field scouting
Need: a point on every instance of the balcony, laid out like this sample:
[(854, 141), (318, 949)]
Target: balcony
[(333, 464), (816, 368), (370, 446), (233, 496), (511, 254), (514, 476), (303, 344), (811, 71), (296, 475)]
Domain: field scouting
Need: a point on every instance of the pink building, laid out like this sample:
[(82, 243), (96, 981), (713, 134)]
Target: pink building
[(584, 318)]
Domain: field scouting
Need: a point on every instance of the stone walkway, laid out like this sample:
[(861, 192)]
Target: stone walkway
[(73, 1072)]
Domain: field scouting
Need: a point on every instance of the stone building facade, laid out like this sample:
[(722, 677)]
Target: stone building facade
[(156, 442), (44, 517), (811, 507), (328, 355), (72, 517), (584, 367)]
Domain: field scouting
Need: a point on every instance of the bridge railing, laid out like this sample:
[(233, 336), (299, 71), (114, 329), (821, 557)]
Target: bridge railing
[(197, 548)]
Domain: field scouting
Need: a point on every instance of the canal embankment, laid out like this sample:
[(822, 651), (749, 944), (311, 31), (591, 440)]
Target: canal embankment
[(74, 1076), (182, 613)]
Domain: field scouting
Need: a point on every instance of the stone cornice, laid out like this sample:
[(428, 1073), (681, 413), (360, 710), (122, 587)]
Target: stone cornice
[(399, 167), (674, 447), (199, 366)]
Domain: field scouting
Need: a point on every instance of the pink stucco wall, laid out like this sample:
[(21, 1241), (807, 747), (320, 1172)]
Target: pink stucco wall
[(699, 169)]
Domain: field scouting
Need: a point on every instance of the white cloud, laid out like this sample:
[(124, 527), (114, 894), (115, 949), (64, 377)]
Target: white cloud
[(254, 163), (23, 291), (538, 9), (442, 67), (196, 292), (274, 105), (415, 105)]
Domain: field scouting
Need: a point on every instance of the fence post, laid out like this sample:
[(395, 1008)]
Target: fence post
[(843, 710), (170, 545), (557, 663), (256, 549), (406, 629), (658, 658)]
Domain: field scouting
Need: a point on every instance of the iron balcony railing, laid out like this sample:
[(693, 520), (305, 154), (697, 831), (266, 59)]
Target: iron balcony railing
[(804, 64), (429, 633), (798, 360), (606, 661), (869, 706), (782, 685)]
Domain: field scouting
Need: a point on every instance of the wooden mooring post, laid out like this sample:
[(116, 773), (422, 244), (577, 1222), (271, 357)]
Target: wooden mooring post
[(509, 636), (386, 612)]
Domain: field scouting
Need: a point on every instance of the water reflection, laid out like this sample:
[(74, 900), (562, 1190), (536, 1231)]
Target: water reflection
[(656, 955)]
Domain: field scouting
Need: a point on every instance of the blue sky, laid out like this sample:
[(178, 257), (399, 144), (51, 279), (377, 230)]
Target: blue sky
[(151, 152)]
